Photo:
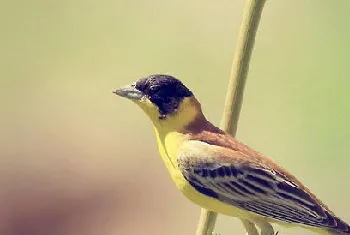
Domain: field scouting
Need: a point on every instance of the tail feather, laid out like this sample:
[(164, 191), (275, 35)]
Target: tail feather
[(340, 228)]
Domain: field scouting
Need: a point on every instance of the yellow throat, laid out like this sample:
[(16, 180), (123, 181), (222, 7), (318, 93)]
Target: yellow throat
[(170, 131)]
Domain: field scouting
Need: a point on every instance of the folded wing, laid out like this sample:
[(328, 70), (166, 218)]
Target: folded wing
[(236, 179)]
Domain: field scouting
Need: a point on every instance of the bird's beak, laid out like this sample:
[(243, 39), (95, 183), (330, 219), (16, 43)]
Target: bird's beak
[(129, 92)]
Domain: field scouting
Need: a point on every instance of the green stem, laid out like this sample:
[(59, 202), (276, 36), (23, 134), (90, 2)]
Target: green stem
[(234, 96), (206, 222), (240, 65)]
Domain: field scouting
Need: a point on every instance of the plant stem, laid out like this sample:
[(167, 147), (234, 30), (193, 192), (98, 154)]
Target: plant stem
[(234, 96), (240, 65), (206, 222)]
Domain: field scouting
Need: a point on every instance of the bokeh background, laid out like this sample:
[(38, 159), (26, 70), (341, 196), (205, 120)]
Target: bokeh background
[(75, 159)]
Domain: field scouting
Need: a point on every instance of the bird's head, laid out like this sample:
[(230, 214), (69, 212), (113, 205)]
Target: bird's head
[(167, 102)]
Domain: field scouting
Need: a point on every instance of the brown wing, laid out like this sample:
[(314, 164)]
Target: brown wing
[(254, 185)]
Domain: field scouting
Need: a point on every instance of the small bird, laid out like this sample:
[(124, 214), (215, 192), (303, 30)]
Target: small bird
[(219, 173)]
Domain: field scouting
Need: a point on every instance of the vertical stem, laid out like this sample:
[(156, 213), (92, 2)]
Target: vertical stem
[(240, 65), (206, 222), (234, 96)]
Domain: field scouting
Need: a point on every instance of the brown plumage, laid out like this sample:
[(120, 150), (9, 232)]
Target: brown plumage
[(236, 153), (204, 131)]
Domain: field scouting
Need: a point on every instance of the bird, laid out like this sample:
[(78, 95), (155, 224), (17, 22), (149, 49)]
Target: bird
[(218, 172)]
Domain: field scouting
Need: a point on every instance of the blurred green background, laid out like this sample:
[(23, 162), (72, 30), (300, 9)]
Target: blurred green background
[(76, 159)]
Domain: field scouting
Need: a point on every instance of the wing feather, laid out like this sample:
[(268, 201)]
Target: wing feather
[(254, 186)]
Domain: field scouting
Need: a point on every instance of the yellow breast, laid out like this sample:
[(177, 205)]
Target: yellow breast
[(169, 146)]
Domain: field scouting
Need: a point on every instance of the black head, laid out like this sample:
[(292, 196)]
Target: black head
[(164, 91)]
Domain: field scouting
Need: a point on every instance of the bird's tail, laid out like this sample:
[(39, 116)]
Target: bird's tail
[(343, 231), (337, 233), (340, 227)]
